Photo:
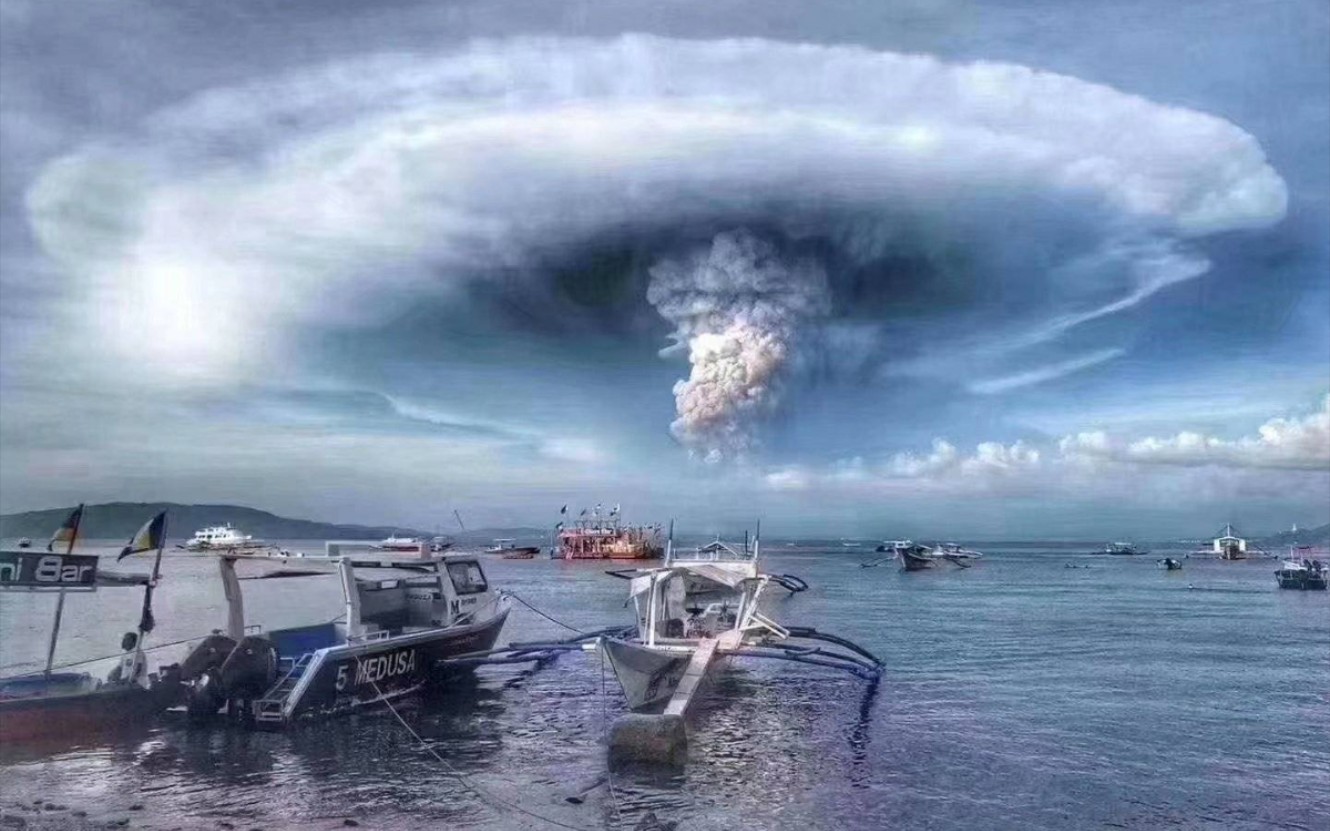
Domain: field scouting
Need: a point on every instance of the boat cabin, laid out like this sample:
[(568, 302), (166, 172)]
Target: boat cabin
[(1230, 546), (384, 597)]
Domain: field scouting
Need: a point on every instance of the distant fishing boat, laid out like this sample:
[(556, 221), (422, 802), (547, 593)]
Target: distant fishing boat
[(217, 537), (593, 536), (510, 550), (1121, 549), (1229, 546), (696, 609), (48, 704), (1169, 564), (1303, 573), (400, 621)]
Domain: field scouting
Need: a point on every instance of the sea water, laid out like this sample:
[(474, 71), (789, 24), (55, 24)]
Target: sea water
[(1018, 694)]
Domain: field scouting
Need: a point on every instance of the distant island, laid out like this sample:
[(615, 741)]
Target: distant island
[(114, 520)]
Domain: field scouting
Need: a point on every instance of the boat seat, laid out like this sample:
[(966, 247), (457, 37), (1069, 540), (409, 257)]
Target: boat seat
[(297, 641)]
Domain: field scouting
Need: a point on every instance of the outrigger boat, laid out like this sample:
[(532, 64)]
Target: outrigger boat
[(916, 557), (50, 704), (402, 617), (696, 609)]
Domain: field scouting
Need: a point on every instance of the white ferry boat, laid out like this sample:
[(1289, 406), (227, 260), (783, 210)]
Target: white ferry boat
[(221, 537)]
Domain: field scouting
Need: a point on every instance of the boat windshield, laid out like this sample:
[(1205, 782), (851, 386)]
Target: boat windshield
[(467, 577)]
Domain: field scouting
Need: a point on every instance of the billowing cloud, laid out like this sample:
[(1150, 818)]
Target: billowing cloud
[(1088, 461), (764, 189), (1280, 443)]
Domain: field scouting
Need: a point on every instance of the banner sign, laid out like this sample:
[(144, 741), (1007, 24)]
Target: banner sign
[(40, 570)]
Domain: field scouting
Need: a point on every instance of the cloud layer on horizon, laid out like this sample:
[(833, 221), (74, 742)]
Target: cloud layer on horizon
[(1298, 445)]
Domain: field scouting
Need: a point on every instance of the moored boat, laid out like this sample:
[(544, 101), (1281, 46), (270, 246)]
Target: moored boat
[(696, 609), (402, 617), (1122, 549), (49, 704), (1169, 564), (404, 544), (1229, 546), (510, 550), (218, 537), (1303, 574), (596, 537)]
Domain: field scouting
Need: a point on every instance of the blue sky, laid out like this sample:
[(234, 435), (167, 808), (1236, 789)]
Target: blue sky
[(1018, 269)]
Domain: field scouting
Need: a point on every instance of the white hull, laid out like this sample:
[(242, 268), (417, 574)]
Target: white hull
[(648, 676)]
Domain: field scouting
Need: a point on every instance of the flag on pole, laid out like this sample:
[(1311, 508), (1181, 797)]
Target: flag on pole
[(149, 538), (66, 533)]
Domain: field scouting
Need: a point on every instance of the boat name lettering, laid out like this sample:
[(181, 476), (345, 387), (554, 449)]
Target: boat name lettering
[(379, 667), (43, 570)]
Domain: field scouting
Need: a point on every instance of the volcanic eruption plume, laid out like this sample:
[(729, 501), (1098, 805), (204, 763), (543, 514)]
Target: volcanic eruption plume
[(770, 193), (739, 307)]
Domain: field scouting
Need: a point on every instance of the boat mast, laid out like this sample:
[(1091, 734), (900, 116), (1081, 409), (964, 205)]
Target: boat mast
[(60, 599)]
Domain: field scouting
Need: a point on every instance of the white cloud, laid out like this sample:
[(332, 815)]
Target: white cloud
[(1041, 374), (1091, 463), (1280, 443)]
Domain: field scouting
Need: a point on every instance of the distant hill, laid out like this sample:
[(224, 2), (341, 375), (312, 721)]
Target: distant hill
[(1302, 536), (121, 519)]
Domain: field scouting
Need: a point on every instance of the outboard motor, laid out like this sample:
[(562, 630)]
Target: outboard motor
[(199, 673), (250, 670)]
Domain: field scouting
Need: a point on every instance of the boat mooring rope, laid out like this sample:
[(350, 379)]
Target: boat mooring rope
[(462, 777), (551, 619)]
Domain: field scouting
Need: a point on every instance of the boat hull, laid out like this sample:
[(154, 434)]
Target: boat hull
[(916, 562), (648, 676), (106, 708), (352, 676)]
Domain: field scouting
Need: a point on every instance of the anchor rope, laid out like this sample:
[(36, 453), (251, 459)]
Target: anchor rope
[(459, 775), (550, 618)]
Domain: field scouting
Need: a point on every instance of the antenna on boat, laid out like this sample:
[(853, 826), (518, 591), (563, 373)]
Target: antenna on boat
[(745, 541), (757, 539), (458, 517), (669, 545)]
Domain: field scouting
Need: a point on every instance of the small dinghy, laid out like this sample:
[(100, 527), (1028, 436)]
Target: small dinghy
[(402, 617), (1169, 564), (692, 612)]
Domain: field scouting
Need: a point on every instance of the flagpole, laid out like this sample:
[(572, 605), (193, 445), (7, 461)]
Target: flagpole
[(60, 602), (147, 594)]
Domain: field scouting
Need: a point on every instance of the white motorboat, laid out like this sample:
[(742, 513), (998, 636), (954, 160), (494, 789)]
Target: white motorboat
[(395, 543), (403, 616), (221, 537)]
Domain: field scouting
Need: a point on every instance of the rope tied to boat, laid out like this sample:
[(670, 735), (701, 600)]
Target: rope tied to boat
[(461, 777)]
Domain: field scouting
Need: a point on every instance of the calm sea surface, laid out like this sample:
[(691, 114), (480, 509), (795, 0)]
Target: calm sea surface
[(1019, 694)]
